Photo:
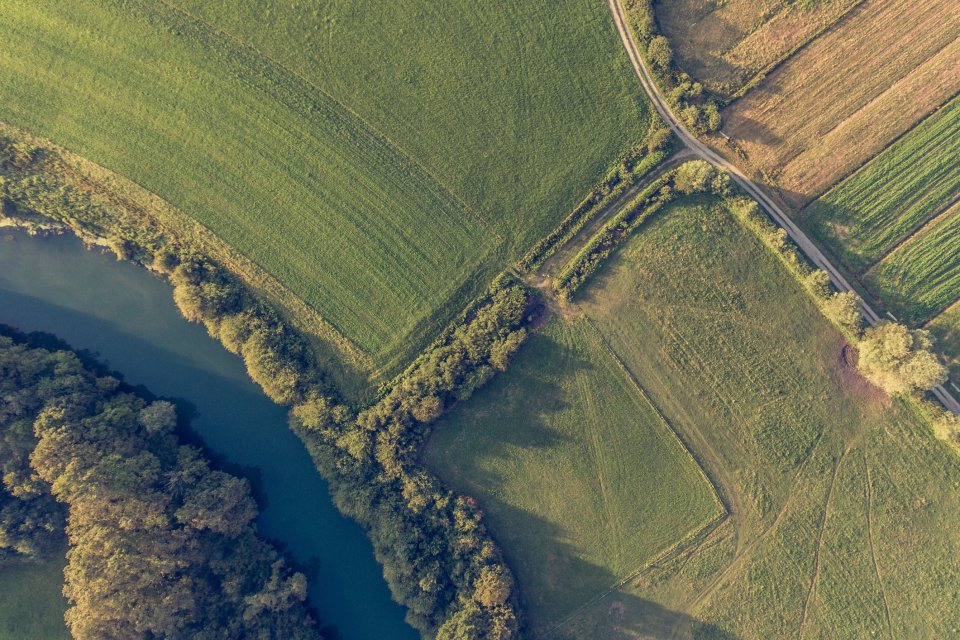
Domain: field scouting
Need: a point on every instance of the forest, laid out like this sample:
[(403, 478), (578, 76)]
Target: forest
[(161, 544)]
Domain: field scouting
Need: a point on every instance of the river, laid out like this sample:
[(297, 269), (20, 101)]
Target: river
[(127, 316)]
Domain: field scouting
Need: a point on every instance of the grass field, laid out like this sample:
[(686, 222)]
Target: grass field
[(807, 125), (867, 214), (726, 44), (385, 230), (922, 277), (493, 99), (840, 498), (581, 480), (31, 605)]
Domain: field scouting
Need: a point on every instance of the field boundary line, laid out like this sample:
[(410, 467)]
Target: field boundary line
[(761, 75), (928, 221), (693, 539), (392, 144), (866, 163), (646, 398), (873, 555)]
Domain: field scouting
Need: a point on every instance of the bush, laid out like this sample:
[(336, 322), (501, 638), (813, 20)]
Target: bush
[(660, 53), (843, 308)]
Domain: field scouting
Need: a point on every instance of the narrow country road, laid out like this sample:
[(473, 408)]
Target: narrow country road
[(773, 210)]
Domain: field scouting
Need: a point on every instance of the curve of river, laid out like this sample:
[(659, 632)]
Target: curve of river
[(127, 316)]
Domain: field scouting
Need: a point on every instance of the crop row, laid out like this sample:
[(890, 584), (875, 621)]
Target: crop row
[(923, 275), (887, 199)]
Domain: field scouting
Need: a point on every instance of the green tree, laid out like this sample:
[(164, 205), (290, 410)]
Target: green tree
[(660, 53), (900, 360)]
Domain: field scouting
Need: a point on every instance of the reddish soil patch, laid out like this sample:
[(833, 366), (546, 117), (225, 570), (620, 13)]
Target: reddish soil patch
[(851, 379)]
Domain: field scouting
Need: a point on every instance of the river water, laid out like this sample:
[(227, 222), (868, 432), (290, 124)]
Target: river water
[(127, 316)]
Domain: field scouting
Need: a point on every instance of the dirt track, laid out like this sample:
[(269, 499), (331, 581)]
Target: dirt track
[(773, 210)]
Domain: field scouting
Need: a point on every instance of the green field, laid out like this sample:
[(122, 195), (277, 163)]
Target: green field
[(922, 277), (867, 214), (31, 605), (517, 107), (386, 222), (840, 498), (581, 480)]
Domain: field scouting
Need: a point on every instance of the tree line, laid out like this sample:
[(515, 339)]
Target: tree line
[(695, 176), (439, 559), (690, 101), (160, 544)]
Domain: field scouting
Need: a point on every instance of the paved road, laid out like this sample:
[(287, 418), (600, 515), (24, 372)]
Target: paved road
[(771, 207)]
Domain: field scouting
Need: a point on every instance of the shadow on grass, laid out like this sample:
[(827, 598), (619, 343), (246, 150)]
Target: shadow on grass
[(557, 555)]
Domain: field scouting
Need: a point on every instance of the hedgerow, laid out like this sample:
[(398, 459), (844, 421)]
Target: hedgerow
[(692, 177)]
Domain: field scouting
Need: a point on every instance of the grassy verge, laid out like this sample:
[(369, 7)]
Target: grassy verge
[(31, 603), (581, 479)]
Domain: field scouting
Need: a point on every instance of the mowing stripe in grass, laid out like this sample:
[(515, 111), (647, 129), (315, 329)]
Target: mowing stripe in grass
[(274, 167), (922, 277)]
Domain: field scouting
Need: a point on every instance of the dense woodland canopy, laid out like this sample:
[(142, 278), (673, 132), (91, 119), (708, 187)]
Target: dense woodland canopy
[(161, 545)]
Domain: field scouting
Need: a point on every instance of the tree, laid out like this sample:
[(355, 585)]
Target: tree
[(694, 176), (843, 308), (900, 360), (660, 53)]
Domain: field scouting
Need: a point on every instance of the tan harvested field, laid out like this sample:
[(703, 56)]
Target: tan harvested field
[(726, 46), (848, 94)]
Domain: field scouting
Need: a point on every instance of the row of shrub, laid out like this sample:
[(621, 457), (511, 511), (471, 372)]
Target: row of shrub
[(161, 545), (696, 176), (899, 360), (697, 110), (439, 560), (627, 171)]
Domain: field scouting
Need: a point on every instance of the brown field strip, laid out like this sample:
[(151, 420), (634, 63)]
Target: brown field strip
[(731, 43), (848, 94)]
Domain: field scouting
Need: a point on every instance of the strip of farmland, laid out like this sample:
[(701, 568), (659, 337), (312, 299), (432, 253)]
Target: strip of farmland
[(922, 276), (726, 44), (845, 96), (865, 216)]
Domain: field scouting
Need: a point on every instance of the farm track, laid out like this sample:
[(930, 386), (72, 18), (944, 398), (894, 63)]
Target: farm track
[(811, 250), (805, 611), (571, 247)]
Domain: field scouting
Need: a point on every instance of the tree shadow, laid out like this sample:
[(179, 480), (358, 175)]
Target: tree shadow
[(565, 597), (558, 562)]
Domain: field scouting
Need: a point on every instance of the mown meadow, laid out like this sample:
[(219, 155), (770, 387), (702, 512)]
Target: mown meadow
[(580, 477), (870, 212), (384, 223), (492, 99), (733, 354), (839, 497)]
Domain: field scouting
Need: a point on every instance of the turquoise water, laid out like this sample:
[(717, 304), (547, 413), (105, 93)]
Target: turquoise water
[(127, 316)]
